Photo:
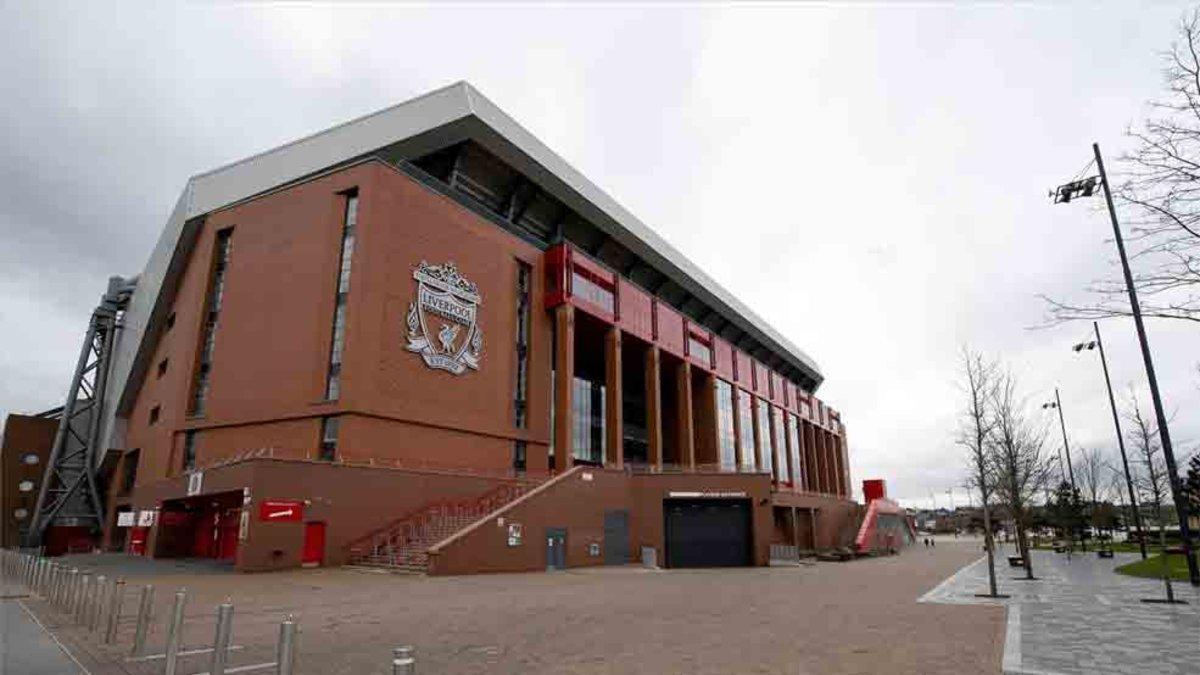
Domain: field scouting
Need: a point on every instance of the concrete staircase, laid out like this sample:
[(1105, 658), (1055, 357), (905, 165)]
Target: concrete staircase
[(404, 543)]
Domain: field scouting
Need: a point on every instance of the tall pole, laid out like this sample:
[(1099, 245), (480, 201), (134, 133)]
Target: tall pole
[(1112, 402), (1066, 446), (1160, 417)]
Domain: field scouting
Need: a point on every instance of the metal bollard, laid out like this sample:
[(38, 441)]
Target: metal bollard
[(145, 605), (79, 610), (220, 652), (403, 661), (72, 585), (175, 633), (100, 600), (114, 611), (285, 655)]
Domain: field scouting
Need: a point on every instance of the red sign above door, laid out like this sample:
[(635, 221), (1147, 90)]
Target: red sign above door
[(281, 510)]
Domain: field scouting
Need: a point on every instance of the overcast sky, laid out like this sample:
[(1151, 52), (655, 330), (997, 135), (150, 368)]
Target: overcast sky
[(872, 180)]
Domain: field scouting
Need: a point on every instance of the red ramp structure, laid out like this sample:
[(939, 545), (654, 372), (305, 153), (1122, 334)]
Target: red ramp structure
[(886, 526)]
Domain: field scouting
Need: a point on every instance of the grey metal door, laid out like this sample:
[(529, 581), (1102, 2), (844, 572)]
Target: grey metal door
[(556, 548), (616, 537)]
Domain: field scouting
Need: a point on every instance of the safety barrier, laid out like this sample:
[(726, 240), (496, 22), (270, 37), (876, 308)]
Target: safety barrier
[(94, 603)]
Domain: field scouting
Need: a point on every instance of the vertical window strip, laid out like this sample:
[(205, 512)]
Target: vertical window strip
[(189, 450), (725, 412), (781, 458), (764, 437), (521, 395), (794, 438), (333, 381), (330, 427), (746, 415), (216, 294)]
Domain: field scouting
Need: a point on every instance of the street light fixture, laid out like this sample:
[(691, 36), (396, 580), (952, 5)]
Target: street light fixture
[(1057, 405), (1089, 345), (1085, 188)]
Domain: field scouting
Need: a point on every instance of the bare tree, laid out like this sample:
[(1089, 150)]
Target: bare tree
[(1017, 460), (1162, 191), (1153, 483), (1093, 483), (974, 431)]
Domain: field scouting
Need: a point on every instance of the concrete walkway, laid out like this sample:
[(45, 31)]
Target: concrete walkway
[(26, 648), (1081, 617)]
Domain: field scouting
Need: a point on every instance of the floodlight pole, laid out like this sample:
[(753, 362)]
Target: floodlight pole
[(1112, 402), (1160, 417), (1066, 446)]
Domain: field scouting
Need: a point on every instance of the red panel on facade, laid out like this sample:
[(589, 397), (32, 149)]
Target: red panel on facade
[(874, 488), (760, 379), (670, 329), (789, 395), (743, 366), (557, 266), (636, 310), (775, 387), (723, 358), (281, 510)]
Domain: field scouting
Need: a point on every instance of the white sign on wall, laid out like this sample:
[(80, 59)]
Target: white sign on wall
[(145, 519), (126, 519), (195, 483)]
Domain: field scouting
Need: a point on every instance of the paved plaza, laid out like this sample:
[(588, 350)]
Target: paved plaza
[(1081, 617), (855, 618)]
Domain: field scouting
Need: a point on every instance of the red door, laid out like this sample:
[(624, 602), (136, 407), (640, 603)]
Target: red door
[(314, 544), (137, 540), (227, 539)]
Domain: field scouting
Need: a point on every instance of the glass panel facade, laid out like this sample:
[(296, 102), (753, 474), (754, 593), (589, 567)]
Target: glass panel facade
[(521, 392), (333, 381), (699, 350), (189, 450), (793, 430), (725, 431), (781, 458), (746, 423), (329, 438), (764, 437), (585, 288), (587, 418), (216, 294)]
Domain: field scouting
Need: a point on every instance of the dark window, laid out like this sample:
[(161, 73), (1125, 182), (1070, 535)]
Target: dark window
[(189, 450), (216, 294), (519, 451), (162, 367), (329, 438), (129, 471), (170, 322), (521, 394), (154, 414), (333, 382)]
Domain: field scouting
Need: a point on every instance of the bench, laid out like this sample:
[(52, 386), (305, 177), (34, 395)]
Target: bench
[(1016, 561)]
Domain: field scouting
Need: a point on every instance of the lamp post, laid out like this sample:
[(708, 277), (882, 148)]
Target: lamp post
[(1137, 516), (1086, 188), (1057, 404)]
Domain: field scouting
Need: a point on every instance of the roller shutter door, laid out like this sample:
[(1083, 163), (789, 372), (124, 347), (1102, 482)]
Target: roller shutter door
[(707, 532)]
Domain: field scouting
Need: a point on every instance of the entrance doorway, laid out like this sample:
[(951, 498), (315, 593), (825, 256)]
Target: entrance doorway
[(556, 548), (708, 532), (313, 554)]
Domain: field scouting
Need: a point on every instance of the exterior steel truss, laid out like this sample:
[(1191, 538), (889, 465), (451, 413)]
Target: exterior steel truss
[(69, 494)]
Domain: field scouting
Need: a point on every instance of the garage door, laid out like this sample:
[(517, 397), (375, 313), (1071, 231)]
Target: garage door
[(707, 532)]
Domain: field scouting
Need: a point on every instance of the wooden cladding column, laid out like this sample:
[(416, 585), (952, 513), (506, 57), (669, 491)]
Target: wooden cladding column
[(836, 464), (739, 453), (814, 449), (614, 422), (654, 437), (830, 467), (564, 375), (687, 422), (844, 453)]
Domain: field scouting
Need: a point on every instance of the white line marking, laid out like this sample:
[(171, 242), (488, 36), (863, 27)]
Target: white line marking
[(61, 646)]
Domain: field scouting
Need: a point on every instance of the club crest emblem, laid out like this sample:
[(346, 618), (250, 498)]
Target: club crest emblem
[(442, 325)]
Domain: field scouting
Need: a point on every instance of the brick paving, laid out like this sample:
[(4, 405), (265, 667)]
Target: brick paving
[(856, 617), (1081, 617)]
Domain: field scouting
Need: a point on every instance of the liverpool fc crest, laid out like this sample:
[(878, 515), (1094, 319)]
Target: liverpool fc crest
[(442, 324)]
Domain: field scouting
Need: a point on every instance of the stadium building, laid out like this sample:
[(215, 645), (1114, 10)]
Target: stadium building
[(420, 339)]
